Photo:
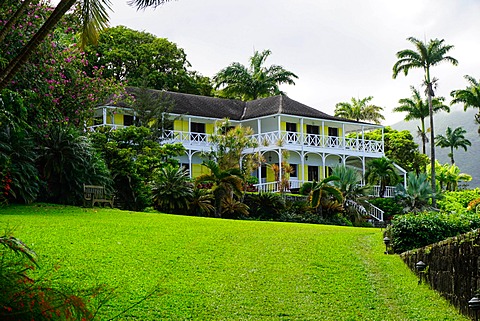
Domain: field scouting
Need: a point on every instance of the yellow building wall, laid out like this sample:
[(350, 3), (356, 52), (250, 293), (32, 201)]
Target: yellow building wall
[(199, 169), (180, 125), (209, 128), (270, 175), (283, 126), (118, 119)]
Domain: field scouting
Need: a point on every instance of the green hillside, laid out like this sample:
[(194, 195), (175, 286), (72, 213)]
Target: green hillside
[(467, 161), (217, 269)]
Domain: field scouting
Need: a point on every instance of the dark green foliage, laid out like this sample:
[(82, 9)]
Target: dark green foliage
[(265, 206), (66, 160), (18, 175), (172, 190), (201, 203), (411, 231), (306, 188), (388, 205), (132, 157), (232, 208)]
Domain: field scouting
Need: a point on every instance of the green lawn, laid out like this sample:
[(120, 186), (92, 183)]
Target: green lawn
[(214, 269)]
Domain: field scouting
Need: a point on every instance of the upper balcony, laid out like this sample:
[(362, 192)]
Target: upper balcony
[(287, 140)]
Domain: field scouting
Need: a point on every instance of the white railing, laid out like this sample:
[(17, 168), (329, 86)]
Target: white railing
[(271, 187), (174, 136), (274, 138), (313, 140), (389, 191)]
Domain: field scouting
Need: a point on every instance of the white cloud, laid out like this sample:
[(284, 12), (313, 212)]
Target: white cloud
[(339, 49)]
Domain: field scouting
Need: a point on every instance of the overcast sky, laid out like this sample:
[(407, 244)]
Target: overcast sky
[(339, 49)]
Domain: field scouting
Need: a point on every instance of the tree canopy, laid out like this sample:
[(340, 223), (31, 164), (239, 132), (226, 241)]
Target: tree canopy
[(360, 109), (144, 60), (256, 81), (417, 108)]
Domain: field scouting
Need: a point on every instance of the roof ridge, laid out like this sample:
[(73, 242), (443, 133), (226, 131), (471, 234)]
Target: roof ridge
[(280, 107)]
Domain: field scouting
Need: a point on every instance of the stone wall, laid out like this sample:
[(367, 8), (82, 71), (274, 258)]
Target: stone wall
[(453, 268)]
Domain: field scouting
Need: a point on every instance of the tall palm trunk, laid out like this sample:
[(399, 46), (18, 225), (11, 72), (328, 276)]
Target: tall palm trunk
[(14, 66), (13, 19), (424, 138), (430, 93)]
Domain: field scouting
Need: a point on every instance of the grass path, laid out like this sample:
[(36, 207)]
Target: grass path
[(213, 269)]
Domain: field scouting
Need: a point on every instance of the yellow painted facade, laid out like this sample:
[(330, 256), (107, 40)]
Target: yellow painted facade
[(118, 119)]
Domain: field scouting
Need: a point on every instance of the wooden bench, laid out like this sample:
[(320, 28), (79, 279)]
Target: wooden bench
[(96, 194)]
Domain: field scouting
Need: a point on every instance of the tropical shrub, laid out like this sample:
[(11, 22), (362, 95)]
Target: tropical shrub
[(457, 201), (416, 196), (306, 188), (232, 208), (265, 206), (411, 231), (172, 190), (18, 174), (201, 202), (388, 205), (67, 160)]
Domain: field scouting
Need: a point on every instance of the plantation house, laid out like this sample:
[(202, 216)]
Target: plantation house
[(315, 141)]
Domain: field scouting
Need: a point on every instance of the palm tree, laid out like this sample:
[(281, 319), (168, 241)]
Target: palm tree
[(470, 97), (171, 190), (94, 17), (360, 109), (417, 108), (348, 183), (449, 176), (415, 197), (381, 171), (323, 193), (254, 82), (201, 202), (453, 139), (226, 183), (424, 57)]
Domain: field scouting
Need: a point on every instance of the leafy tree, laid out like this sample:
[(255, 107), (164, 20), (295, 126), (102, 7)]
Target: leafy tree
[(92, 14), (228, 146), (326, 197), (171, 189), (469, 97), (381, 171), (400, 147), (417, 108), (425, 56), (256, 81), (453, 139), (416, 196), (359, 109), (226, 183), (143, 60), (132, 157), (53, 80), (152, 110)]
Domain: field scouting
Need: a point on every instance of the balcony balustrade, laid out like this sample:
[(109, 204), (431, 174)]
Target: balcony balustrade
[(287, 139)]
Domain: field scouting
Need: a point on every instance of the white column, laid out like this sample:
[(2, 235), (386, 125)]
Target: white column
[(104, 114)]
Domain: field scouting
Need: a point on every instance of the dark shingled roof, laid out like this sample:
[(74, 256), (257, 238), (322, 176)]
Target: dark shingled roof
[(211, 107)]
